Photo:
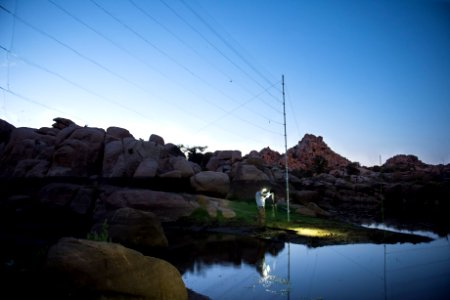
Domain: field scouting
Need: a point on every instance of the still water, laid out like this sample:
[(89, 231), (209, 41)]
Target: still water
[(229, 267)]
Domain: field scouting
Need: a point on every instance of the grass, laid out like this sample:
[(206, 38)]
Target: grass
[(313, 231)]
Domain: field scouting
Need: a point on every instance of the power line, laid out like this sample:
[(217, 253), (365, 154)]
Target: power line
[(234, 40), (218, 50), (72, 82), (157, 48), (225, 42), (106, 69), (36, 102), (211, 28), (240, 106), (149, 16), (292, 113), (82, 56), (192, 49)]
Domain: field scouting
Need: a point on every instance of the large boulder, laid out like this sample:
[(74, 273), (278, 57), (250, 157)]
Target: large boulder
[(166, 206), (123, 157), (246, 179), (78, 152), (221, 161), (135, 229), (209, 182), (76, 198), (26, 144), (88, 269)]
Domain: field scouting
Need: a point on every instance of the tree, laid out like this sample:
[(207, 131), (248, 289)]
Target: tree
[(353, 168), (193, 153), (320, 165)]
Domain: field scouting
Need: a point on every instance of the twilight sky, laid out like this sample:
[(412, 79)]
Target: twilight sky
[(371, 77)]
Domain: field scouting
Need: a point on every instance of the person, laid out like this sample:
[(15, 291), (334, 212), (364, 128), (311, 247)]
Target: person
[(261, 196)]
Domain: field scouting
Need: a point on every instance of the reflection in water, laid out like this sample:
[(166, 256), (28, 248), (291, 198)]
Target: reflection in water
[(227, 267), (269, 281)]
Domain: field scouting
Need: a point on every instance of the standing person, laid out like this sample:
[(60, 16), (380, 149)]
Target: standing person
[(260, 198)]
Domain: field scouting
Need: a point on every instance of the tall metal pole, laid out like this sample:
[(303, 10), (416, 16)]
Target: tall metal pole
[(285, 150)]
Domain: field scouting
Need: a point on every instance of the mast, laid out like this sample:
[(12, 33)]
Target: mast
[(285, 150)]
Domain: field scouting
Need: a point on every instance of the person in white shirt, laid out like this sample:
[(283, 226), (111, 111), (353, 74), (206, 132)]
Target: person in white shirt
[(261, 196)]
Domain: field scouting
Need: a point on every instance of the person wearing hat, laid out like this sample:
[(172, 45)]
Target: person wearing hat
[(261, 196)]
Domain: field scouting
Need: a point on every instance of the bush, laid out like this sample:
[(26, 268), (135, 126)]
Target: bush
[(320, 165), (353, 168), (102, 236)]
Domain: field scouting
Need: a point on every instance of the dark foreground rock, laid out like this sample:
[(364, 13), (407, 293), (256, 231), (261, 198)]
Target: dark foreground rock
[(100, 270)]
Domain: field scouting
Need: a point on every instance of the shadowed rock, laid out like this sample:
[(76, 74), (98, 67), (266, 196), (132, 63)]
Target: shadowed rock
[(100, 270)]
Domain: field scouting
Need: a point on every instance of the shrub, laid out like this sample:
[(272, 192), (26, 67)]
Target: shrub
[(102, 235)]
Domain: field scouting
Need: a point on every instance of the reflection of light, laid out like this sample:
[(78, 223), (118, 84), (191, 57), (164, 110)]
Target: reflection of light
[(271, 282), (314, 232), (265, 270)]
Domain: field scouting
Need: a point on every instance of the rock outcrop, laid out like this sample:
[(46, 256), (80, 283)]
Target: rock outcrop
[(308, 152)]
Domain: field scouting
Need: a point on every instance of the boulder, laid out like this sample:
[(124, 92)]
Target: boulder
[(88, 269), (158, 140), (135, 229), (116, 134), (166, 206), (209, 182), (146, 168), (78, 152)]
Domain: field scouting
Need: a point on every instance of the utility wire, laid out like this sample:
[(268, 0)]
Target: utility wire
[(144, 12), (149, 16), (37, 102), (73, 83), (240, 106), (86, 58), (220, 37), (292, 112), (125, 50), (106, 69), (234, 40), (158, 49), (219, 51)]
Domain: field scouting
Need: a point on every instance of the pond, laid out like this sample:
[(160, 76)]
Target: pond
[(232, 267)]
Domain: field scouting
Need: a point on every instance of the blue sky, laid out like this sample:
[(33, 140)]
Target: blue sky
[(371, 77)]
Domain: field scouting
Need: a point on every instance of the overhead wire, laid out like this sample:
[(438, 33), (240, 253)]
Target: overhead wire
[(219, 51), (149, 16), (240, 106), (78, 53), (220, 37), (166, 55), (66, 46), (37, 102), (230, 37), (292, 111), (73, 83)]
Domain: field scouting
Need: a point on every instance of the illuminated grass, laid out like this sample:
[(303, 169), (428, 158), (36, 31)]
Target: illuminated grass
[(317, 231)]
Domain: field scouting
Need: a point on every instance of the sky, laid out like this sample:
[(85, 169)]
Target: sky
[(371, 77)]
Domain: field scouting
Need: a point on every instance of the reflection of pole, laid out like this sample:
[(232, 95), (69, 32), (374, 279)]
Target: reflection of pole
[(289, 272), (285, 149), (385, 281)]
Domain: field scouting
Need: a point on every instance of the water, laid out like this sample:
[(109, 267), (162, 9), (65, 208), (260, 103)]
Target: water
[(230, 267)]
